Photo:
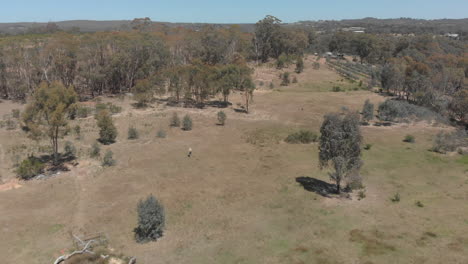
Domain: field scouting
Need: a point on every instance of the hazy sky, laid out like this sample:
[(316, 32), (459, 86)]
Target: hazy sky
[(233, 11)]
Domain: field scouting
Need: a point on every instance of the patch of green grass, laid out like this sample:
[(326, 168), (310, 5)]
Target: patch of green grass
[(55, 228), (463, 160)]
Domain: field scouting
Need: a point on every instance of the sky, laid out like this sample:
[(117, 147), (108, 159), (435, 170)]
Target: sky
[(232, 11)]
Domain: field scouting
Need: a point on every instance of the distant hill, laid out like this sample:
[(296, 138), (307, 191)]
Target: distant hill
[(370, 25)]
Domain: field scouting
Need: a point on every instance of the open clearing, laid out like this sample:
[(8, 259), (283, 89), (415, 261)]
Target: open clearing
[(237, 200)]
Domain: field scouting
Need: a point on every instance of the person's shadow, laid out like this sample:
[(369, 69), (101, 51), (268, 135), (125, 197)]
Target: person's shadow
[(317, 186)]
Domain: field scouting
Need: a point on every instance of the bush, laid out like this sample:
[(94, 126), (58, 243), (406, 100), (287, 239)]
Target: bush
[(294, 79), (95, 150), (161, 134), (448, 142), (361, 195), (302, 137), (187, 123), (272, 85), (15, 113), (175, 120), (336, 89), (108, 159), (368, 111), (285, 79), (392, 110), (419, 204), (368, 146), (30, 168), (316, 65), (70, 149), (151, 220), (409, 139), (299, 65), (395, 198), (221, 118), (132, 133), (107, 129), (83, 111), (77, 130)]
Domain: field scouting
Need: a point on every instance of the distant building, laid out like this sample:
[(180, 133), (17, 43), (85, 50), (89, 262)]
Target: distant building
[(354, 29)]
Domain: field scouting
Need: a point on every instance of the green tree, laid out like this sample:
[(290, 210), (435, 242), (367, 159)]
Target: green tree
[(187, 123), (285, 81), (132, 133), (175, 120), (221, 118), (266, 32), (151, 220), (340, 142), (107, 129), (143, 92), (48, 113), (299, 65), (368, 111)]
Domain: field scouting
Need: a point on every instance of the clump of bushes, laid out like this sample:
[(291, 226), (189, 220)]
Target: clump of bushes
[(409, 139), (187, 123), (302, 137), (447, 142), (112, 108), (108, 159), (151, 220), (175, 120), (392, 110), (132, 133), (221, 118), (29, 168)]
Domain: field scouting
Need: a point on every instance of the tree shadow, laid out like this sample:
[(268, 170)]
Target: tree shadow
[(317, 186)]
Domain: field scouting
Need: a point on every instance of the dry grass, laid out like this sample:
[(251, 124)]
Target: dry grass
[(236, 199)]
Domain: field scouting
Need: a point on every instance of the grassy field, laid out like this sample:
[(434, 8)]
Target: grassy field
[(237, 199)]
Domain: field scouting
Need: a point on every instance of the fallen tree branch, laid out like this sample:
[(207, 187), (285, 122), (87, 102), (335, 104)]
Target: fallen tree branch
[(77, 252)]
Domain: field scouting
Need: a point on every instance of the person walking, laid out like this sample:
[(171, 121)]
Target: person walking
[(189, 152)]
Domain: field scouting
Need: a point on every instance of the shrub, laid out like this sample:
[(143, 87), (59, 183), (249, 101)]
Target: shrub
[(107, 129), (368, 146), (161, 134), (29, 168), (132, 133), (448, 142), (392, 110), (361, 195), (114, 109), (336, 89), (77, 130), (299, 65), (285, 79), (15, 113), (316, 65), (395, 198), (272, 85), (409, 139), (83, 111), (95, 150), (261, 83), (221, 118), (187, 123), (419, 204), (108, 159), (175, 120), (70, 149), (368, 111), (294, 79), (151, 220), (302, 137)]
